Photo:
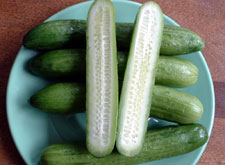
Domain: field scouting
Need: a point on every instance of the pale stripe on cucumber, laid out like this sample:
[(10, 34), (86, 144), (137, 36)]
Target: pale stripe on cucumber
[(139, 79), (102, 79)]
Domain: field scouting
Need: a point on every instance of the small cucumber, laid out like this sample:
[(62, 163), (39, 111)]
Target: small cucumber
[(60, 98), (159, 144), (71, 33), (70, 63), (135, 100), (101, 79), (167, 103), (176, 72), (174, 105), (180, 42), (59, 64)]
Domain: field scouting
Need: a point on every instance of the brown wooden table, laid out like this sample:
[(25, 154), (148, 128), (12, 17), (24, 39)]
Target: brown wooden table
[(205, 17)]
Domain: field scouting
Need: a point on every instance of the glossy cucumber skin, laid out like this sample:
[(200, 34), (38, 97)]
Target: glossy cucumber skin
[(71, 34), (70, 63), (159, 144)]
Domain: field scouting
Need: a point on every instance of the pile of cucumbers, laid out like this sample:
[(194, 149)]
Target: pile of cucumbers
[(113, 71)]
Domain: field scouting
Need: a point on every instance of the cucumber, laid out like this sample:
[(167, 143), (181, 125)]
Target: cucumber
[(70, 63), (60, 98), (167, 103), (159, 144), (101, 79), (185, 44), (174, 105), (71, 34), (135, 100), (176, 72), (59, 64)]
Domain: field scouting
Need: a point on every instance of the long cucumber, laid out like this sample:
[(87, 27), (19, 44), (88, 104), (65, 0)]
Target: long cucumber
[(159, 144), (167, 103), (64, 33), (101, 79), (135, 100), (70, 63)]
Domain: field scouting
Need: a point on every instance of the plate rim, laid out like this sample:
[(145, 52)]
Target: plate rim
[(120, 1)]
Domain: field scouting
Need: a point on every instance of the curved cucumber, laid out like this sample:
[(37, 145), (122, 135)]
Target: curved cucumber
[(159, 144), (71, 33), (101, 79), (167, 103), (68, 63), (135, 100)]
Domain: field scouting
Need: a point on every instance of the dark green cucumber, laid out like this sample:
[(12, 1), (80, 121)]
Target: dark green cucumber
[(67, 63), (159, 144), (167, 103), (60, 98), (59, 63), (71, 33)]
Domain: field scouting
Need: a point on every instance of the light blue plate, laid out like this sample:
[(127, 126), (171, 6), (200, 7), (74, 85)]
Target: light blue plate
[(33, 130)]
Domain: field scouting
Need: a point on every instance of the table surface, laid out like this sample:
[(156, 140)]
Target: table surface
[(205, 17)]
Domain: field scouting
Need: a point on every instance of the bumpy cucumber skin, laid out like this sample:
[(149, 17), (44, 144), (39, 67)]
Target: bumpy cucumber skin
[(167, 103), (71, 33), (134, 147), (174, 105), (159, 144), (60, 98), (70, 64), (182, 41), (96, 148), (176, 72)]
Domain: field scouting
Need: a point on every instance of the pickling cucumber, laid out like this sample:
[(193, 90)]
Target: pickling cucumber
[(101, 79), (167, 103), (139, 78), (60, 98), (176, 72), (70, 63), (159, 144), (71, 34), (174, 105)]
